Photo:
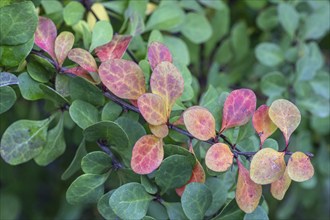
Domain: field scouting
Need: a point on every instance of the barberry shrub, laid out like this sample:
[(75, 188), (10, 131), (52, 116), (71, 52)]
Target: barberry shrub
[(127, 93)]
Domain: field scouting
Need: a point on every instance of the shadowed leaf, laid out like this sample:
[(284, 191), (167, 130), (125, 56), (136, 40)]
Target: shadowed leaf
[(160, 131), (248, 193), (219, 157), (267, 166), (300, 167), (45, 36), (157, 53), (148, 153), (286, 116), (199, 122), (152, 108), (115, 49), (7, 79), (167, 82), (262, 123), (63, 44), (280, 186), (83, 58), (238, 108), (123, 78)]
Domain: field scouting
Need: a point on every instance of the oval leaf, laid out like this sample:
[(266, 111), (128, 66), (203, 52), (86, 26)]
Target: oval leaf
[(63, 44), (83, 58), (280, 186), (96, 162), (102, 34), (147, 154), (300, 167), (7, 97), (167, 82), (219, 157), (157, 53), (130, 201), (199, 122), (160, 131), (262, 123), (286, 116), (248, 193), (152, 108), (123, 78), (238, 108), (45, 36), (267, 166), (115, 49)]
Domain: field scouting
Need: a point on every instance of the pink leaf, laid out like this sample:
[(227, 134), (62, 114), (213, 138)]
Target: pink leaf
[(262, 123), (219, 157), (157, 53), (238, 108), (63, 44), (152, 108), (83, 58), (115, 49), (79, 71), (45, 35), (124, 78), (147, 154)]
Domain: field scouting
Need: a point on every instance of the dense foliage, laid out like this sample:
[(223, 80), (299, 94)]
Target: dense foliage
[(207, 109)]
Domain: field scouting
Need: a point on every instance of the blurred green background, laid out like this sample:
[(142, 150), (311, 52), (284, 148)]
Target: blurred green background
[(280, 49)]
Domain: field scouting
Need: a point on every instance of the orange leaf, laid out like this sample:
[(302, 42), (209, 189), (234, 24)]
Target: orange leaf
[(115, 49), (83, 58), (219, 157), (124, 78), (238, 108), (157, 53), (147, 154), (280, 186), (267, 166), (160, 131), (199, 122), (152, 108), (262, 123), (167, 82), (63, 44), (300, 167), (248, 193), (286, 116)]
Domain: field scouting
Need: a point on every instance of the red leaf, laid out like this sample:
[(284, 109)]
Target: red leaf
[(79, 71), (262, 123), (45, 36), (63, 44), (115, 49), (238, 108), (147, 154), (83, 58), (157, 53), (124, 78)]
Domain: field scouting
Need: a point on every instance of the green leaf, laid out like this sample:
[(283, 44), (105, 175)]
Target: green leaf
[(321, 84), (178, 49), (18, 23), (269, 54), (195, 200), (216, 4), (240, 41), (10, 205), (75, 163), (73, 12), (273, 84), (14, 55), (219, 194), (82, 89), (62, 84), (96, 162), (130, 201), (271, 143), (7, 97), (259, 213), (245, 131), (51, 6), (174, 210), (7, 79), (87, 188), (174, 172), (111, 111), (83, 113), (157, 211), (40, 69), (23, 140), (104, 208), (54, 147), (267, 19), (167, 18), (288, 17), (149, 186), (132, 128), (53, 95), (170, 149), (102, 34), (196, 28), (230, 211), (29, 88), (256, 4), (108, 131)]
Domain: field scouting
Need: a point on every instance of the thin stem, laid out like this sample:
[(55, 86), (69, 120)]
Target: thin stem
[(115, 162)]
